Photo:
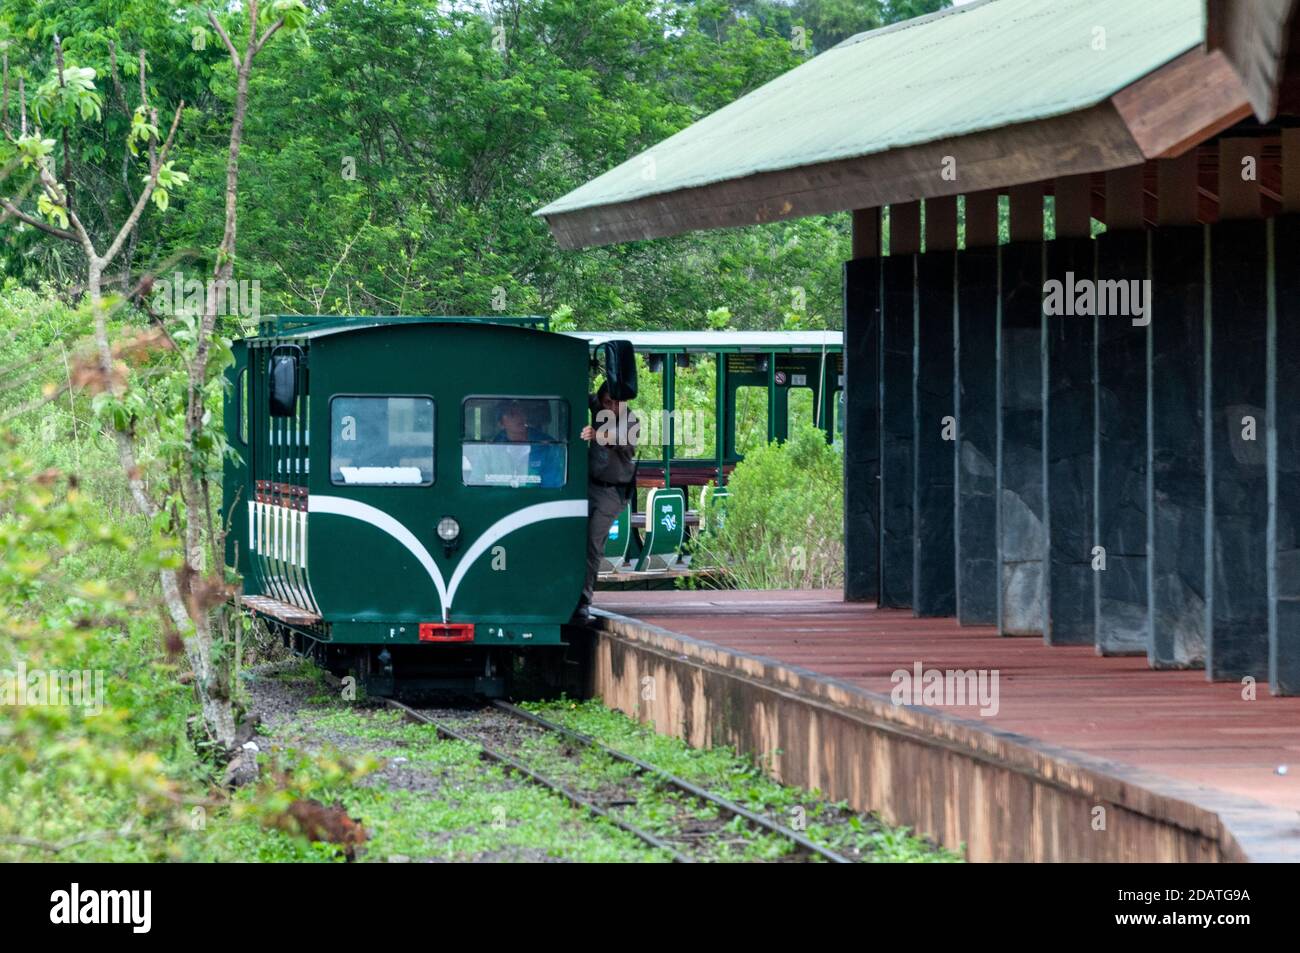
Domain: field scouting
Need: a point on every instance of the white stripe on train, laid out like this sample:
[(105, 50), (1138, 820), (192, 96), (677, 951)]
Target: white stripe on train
[(540, 512)]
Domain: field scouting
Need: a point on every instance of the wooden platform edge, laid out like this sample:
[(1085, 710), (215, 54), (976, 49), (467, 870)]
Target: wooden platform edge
[(617, 580), (1002, 796)]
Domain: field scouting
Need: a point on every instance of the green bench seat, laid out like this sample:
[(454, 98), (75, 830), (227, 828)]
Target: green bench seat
[(665, 530)]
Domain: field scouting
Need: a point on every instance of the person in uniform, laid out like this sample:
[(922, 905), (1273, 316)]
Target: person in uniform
[(611, 480)]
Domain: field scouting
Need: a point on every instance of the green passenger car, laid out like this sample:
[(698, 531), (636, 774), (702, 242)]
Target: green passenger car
[(409, 494)]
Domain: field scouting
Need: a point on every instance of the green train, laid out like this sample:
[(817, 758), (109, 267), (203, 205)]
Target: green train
[(407, 496)]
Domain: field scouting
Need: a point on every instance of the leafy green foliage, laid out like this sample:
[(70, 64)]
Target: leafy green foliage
[(784, 517), (74, 574), (293, 12), (52, 210), (169, 178), (73, 96), (132, 780), (394, 163), (142, 130), (32, 149)]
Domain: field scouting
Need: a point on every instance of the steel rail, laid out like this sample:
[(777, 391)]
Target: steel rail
[(445, 731), (644, 767)]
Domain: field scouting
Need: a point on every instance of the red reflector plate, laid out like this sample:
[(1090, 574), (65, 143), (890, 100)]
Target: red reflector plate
[(448, 632)]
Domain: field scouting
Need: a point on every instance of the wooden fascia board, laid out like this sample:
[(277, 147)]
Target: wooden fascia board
[(1091, 140)]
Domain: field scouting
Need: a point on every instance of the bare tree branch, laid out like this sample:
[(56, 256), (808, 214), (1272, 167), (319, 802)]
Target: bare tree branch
[(22, 216), (153, 116), (4, 104), (55, 195), (156, 162), (257, 48), (225, 38), (67, 152)]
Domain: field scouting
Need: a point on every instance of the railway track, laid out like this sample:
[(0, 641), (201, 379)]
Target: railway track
[(685, 837)]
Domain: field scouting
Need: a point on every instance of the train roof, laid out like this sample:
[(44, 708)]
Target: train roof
[(323, 325), (712, 341), (315, 326)]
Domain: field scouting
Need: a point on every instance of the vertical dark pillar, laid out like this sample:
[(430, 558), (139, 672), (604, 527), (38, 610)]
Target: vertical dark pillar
[(1069, 451), (896, 424), (1121, 447), (934, 583), (1022, 538), (1176, 381), (1284, 417), (862, 430), (977, 430), (1237, 551)]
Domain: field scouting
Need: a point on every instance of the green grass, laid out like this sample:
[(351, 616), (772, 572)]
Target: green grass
[(659, 809), (464, 808), (724, 772)]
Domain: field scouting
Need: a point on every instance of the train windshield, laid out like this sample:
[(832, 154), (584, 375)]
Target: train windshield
[(516, 442), (381, 441)]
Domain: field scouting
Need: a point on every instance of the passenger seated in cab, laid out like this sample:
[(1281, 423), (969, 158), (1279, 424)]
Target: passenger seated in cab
[(512, 418), (539, 461)]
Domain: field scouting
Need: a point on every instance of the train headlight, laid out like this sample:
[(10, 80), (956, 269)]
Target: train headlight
[(448, 529)]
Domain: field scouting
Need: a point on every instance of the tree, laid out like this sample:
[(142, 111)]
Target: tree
[(394, 164), (64, 100)]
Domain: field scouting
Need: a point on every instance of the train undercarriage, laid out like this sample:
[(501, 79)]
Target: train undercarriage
[(542, 671)]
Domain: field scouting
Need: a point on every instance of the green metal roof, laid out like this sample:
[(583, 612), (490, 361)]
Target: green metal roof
[(706, 342), (323, 325), (967, 69)]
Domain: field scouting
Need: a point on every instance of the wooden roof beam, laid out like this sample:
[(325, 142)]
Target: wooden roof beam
[(1254, 36), (1183, 103)]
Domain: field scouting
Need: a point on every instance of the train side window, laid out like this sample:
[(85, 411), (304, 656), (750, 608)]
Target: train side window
[(751, 419), (694, 399), (801, 408), (519, 442), (241, 395), (381, 441)]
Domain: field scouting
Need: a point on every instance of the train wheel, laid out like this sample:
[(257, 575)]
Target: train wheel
[(577, 677), (538, 674)]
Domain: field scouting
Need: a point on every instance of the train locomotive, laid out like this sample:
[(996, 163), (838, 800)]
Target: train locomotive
[(407, 496)]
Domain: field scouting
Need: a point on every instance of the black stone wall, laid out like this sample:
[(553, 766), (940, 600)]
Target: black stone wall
[(1176, 455), (934, 582), (1071, 595), (1284, 416), (1022, 537), (978, 567), (1237, 569), (1121, 455), (1174, 445), (862, 430), (897, 413)]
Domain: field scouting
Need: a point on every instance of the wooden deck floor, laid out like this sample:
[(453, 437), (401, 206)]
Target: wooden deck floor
[(1173, 723)]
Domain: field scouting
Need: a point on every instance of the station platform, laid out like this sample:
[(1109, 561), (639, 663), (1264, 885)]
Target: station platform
[(1086, 757)]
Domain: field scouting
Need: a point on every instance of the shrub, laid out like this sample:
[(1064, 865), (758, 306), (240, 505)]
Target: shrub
[(784, 522), (121, 771)]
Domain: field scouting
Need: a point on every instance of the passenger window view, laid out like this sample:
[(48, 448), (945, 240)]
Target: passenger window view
[(381, 441), (515, 442)]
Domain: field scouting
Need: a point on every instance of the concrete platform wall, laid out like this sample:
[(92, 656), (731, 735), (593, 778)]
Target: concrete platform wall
[(1133, 486)]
